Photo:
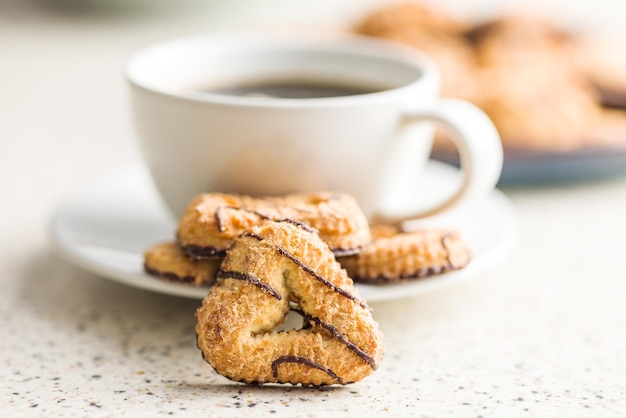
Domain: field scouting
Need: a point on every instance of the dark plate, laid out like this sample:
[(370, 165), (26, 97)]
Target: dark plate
[(522, 167)]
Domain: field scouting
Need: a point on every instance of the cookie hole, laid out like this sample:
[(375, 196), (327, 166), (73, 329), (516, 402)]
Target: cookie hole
[(293, 321)]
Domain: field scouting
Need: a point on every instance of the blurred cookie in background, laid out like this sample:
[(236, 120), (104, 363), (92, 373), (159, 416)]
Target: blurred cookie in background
[(530, 84), (519, 69), (602, 59), (525, 41), (408, 15), (539, 114), (436, 34), (547, 88)]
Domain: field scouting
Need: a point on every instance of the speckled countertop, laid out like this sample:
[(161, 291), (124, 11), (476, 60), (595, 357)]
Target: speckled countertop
[(541, 334)]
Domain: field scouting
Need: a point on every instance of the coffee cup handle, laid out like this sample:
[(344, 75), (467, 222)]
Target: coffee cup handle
[(479, 147)]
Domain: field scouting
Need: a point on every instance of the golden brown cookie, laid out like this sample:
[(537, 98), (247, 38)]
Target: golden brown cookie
[(526, 41), (271, 270), (532, 89), (536, 80), (394, 256), (213, 220), (434, 33), (538, 113), (601, 59), (167, 260), (608, 131), (453, 55), (408, 15)]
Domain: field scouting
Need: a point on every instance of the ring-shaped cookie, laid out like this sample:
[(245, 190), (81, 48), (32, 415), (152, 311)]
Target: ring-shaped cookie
[(274, 268)]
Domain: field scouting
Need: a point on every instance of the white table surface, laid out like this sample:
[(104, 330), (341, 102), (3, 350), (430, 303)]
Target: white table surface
[(541, 334)]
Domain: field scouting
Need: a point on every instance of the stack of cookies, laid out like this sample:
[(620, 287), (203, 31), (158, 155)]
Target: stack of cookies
[(262, 258), (377, 254), (541, 85)]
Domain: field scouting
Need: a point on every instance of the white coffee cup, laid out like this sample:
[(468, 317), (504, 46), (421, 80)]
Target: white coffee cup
[(373, 146)]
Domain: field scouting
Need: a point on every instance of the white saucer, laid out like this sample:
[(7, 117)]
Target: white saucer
[(105, 228)]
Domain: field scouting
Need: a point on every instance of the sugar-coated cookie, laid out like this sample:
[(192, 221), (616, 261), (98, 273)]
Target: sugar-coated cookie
[(213, 220), (394, 256), (168, 261), (269, 271)]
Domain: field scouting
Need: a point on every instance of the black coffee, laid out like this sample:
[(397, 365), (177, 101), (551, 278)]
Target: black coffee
[(293, 89)]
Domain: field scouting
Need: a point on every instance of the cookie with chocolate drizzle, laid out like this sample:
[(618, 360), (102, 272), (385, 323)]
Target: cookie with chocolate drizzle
[(213, 220), (274, 268), (395, 256), (167, 260)]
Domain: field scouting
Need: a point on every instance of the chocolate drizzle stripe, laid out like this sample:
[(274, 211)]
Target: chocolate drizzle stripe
[(416, 275), (302, 225), (198, 252), (254, 212), (250, 279), (251, 235), (366, 357), (306, 362), (310, 271), (169, 275)]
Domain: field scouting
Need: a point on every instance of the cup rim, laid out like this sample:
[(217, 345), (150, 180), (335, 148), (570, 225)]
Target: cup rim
[(375, 47)]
